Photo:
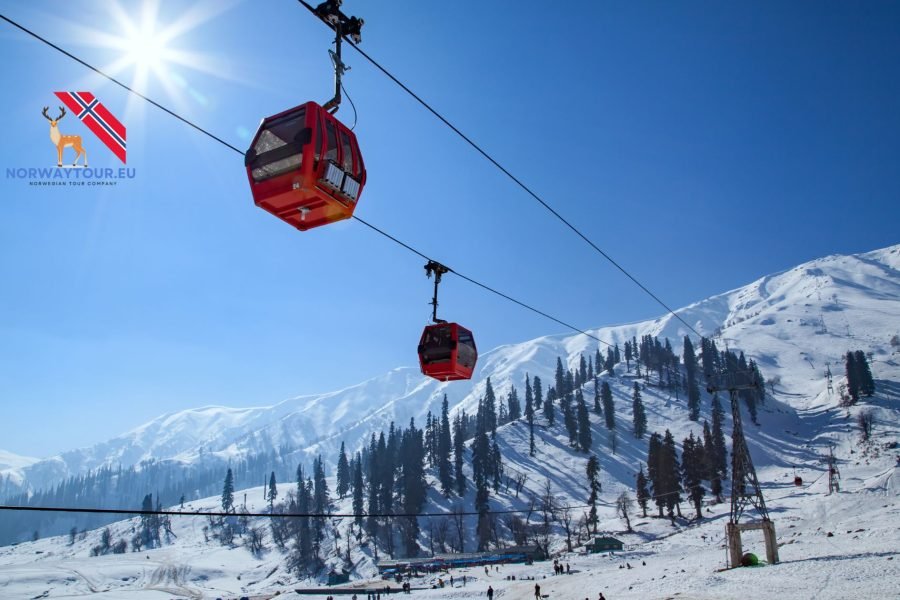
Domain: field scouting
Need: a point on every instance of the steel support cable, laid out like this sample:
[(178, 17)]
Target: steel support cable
[(512, 177), (187, 513), (235, 149), (119, 83)]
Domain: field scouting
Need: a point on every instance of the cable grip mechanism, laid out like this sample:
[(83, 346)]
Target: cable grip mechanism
[(437, 269)]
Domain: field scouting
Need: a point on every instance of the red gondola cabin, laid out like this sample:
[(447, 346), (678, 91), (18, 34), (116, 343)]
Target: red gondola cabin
[(305, 167), (447, 352)]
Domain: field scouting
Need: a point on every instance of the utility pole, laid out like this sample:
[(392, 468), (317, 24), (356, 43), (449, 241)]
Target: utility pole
[(745, 490), (834, 475)]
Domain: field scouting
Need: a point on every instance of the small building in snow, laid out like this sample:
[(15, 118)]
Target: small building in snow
[(605, 544), (338, 577)]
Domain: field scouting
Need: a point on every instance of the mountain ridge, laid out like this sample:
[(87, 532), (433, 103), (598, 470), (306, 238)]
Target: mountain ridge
[(756, 317)]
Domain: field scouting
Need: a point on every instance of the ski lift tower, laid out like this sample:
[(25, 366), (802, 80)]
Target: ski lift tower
[(745, 490)]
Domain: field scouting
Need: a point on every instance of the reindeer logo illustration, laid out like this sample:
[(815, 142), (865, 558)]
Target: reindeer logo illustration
[(64, 141)]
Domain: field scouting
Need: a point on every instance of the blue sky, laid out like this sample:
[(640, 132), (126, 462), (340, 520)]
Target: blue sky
[(702, 145)]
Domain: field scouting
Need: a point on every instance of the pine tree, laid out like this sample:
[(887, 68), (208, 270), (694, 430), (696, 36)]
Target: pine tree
[(670, 470), (490, 408), (711, 470), (444, 447), (569, 419), (304, 506), (529, 414), (515, 408), (852, 377), (628, 362), (559, 382), (357, 490), (148, 531), (343, 473), (693, 388), (481, 473), (590, 371), (321, 504), (272, 492), (228, 492), (593, 477), (413, 487), (496, 464), (608, 409), (597, 406), (374, 484), (610, 362), (458, 451), (431, 440), (640, 416), (549, 413), (643, 494), (655, 469), (538, 393), (584, 423), (582, 370), (864, 374), (692, 462), (719, 459)]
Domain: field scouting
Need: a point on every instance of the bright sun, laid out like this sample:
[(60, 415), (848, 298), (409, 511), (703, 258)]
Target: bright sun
[(146, 49), (150, 45)]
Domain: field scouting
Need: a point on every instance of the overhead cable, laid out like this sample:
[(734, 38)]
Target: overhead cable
[(235, 149), (512, 177)]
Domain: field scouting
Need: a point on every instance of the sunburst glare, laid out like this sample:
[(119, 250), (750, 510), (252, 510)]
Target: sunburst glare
[(150, 48)]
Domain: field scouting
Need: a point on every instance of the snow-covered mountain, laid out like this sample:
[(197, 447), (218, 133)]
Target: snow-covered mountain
[(12, 466), (795, 324)]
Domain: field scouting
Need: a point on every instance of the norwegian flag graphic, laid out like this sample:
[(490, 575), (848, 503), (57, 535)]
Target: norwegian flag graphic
[(98, 119)]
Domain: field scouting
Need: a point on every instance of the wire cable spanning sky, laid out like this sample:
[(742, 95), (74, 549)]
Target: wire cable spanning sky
[(235, 149), (515, 180)]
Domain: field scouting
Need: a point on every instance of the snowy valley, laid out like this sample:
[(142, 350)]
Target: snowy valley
[(796, 325)]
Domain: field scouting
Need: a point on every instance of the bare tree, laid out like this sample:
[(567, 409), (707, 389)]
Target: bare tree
[(459, 522), (866, 421), (566, 519), (495, 537), (432, 533), (520, 478), (518, 529), (548, 504), (624, 506), (440, 534), (254, 541), (540, 536), (583, 529)]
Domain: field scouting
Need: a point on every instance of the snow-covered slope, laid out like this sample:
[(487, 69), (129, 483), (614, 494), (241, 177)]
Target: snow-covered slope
[(834, 546), (778, 320), (12, 465), (795, 324)]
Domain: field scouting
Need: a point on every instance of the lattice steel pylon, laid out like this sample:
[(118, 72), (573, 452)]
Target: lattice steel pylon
[(745, 490)]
